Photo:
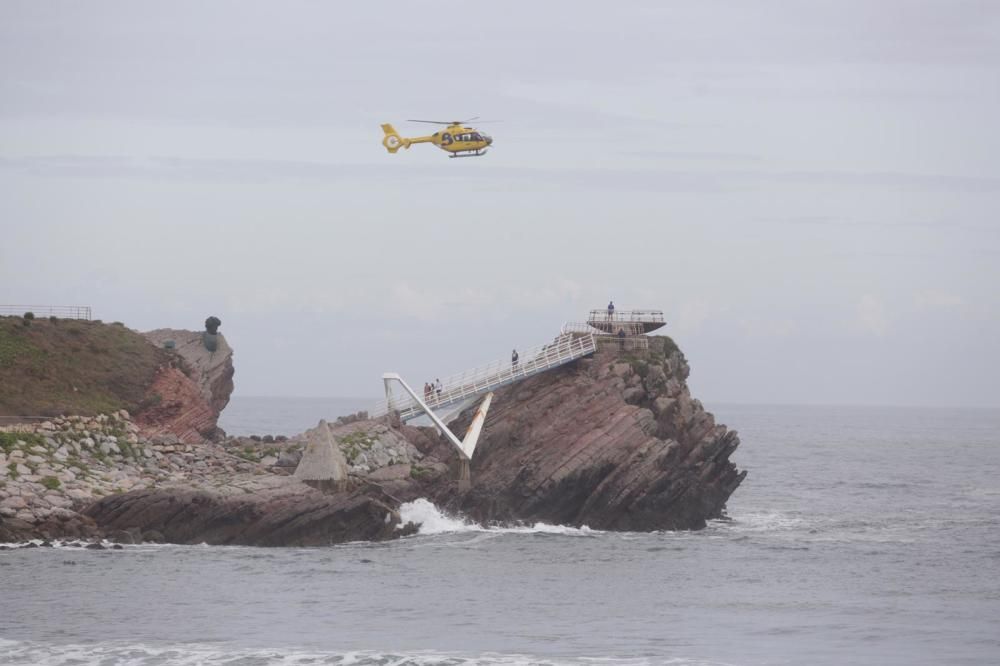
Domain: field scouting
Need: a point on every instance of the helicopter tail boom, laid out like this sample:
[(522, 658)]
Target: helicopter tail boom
[(392, 141)]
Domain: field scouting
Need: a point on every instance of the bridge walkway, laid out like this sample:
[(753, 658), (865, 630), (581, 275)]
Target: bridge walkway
[(478, 381)]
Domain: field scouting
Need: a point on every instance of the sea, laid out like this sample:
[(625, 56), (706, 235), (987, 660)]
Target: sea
[(862, 535)]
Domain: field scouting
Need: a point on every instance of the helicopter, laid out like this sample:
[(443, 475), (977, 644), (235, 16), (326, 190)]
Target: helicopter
[(455, 138)]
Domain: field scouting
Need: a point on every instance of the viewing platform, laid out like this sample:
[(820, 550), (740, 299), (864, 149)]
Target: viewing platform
[(633, 322)]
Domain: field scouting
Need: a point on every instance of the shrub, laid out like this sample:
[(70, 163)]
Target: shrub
[(51, 482), (417, 473), (12, 468), (212, 324), (53, 319), (8, 440), (29, 315)]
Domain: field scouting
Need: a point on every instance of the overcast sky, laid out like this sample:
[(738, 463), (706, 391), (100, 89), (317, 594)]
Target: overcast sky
[(810, 191)]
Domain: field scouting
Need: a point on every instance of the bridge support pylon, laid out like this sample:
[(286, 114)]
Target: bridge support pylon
[(463, 475), (467, 446)]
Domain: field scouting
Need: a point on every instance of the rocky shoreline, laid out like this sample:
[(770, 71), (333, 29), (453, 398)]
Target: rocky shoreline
[(613, 442), (52, 471)]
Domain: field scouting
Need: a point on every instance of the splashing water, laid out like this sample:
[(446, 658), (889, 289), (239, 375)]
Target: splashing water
[(432, 520)]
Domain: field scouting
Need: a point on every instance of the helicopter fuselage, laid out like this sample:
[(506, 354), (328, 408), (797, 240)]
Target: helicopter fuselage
[(456, 139)]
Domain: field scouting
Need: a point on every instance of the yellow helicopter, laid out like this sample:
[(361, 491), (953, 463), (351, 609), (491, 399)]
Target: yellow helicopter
[(455, 138)]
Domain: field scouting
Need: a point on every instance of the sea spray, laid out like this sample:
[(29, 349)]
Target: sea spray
[(431, 520)]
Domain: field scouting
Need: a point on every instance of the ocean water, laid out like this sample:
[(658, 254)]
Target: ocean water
[(861, 536), (255, 415)]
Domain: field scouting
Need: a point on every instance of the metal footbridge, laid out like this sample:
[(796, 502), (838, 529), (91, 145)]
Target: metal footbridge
[(478, 381)]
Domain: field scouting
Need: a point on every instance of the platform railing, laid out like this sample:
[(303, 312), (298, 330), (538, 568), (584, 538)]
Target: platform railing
[(639, 316), (485, 378), (60, 311), (626, 343), (578, 328)]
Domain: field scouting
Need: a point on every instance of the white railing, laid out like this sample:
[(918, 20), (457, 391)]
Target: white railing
[(639, 316), (578, 328), (456, 388), (625, 343), (60, 311)]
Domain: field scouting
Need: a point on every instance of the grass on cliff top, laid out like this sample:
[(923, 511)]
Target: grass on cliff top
[(73, 367)]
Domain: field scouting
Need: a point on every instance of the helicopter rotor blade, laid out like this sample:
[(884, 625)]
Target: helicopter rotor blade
[(434, 122)]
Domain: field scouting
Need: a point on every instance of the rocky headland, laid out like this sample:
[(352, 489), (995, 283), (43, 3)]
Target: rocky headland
[(171, 381), (614, 441)]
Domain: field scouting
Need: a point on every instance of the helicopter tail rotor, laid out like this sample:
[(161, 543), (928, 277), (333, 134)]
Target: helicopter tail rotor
[(392, 140)]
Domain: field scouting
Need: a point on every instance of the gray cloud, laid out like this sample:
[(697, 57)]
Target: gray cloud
[(765, 172)]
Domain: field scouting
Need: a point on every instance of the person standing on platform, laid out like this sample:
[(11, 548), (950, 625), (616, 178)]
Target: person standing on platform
[(611, 310), (513, 359), (437, 387)]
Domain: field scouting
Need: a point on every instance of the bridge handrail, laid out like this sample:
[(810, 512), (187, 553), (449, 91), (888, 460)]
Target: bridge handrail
[(472, 382)]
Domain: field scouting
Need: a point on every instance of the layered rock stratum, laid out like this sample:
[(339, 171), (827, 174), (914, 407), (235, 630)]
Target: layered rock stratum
[(613, 442), (188, 397)]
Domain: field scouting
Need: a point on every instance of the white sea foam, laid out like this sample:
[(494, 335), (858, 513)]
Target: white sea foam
[(132, 654), (769, 521), (432, 520)]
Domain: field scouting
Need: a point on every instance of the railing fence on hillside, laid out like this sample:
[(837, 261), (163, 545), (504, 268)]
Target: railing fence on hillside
[(40, 311)]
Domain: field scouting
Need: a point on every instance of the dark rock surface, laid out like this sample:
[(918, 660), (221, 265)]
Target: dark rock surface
[(252, 511), (613, 442)]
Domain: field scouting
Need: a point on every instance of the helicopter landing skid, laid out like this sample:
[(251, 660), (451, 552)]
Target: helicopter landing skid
[(471, 153)]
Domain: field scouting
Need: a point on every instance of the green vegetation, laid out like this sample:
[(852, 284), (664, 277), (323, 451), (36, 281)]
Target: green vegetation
[(418, 473), (51, 482), (12, 469), (248, 453), (354, 443), (79, 464), (75, 367), (126, 449), (8, 440)]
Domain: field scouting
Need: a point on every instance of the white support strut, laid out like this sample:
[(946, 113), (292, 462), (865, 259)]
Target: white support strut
[(466, 446)]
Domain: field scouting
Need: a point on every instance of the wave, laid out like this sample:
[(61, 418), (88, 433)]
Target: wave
[(431, 520), (770, 521), (132, 654)]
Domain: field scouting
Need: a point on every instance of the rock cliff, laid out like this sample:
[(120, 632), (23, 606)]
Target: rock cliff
[(186, 401), (614, 442)]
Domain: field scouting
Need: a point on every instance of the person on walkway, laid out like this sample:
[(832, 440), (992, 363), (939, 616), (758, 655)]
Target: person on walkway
[(611, 310), (427, 390), (621, 339), (437, 387), (513, 359)]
